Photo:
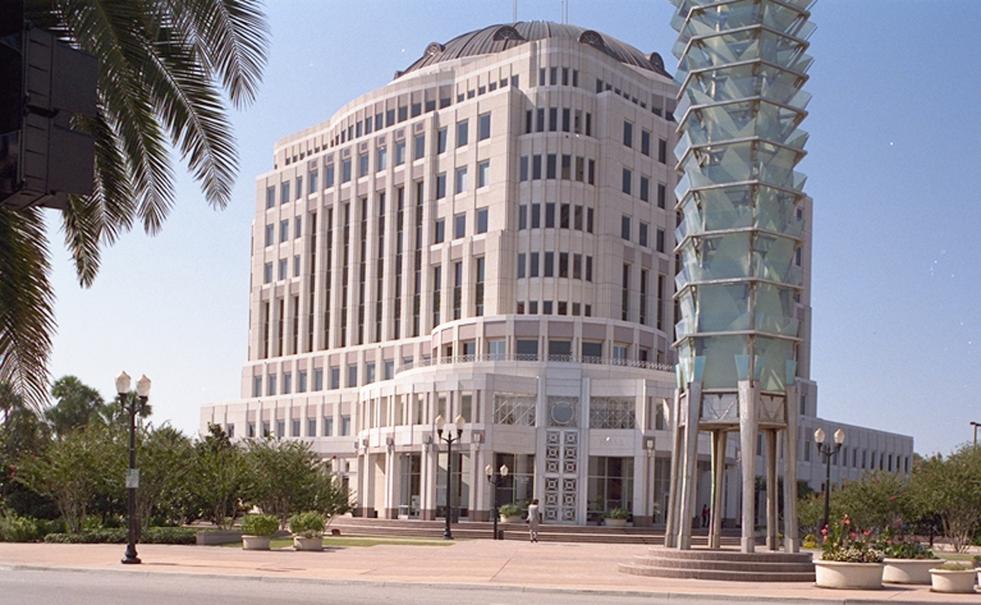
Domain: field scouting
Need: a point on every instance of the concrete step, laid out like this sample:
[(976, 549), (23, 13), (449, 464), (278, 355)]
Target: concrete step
[(715, 574), (438, 523), (705, 554), (764, 567)]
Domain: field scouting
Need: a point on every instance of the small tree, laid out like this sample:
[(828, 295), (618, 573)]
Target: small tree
[(284, 476), (950, 491), (219, 477), (166, 460), (330, 497)]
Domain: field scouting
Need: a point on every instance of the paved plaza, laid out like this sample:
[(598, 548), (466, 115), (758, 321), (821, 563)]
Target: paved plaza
[(482, 565)]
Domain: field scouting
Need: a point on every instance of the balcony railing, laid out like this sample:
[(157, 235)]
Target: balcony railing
[(526, 357)]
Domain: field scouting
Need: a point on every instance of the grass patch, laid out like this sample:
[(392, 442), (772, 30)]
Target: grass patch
[(352, 541)]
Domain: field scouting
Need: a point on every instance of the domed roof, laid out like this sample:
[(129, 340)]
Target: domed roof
[(496, 38)]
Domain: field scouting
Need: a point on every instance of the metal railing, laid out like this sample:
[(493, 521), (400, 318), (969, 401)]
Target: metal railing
[(427, 362)]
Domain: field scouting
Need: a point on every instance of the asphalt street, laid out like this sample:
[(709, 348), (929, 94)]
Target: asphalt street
[(29, 587)]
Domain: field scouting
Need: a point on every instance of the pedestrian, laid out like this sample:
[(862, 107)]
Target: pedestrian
[(534, 518), (705, 515)]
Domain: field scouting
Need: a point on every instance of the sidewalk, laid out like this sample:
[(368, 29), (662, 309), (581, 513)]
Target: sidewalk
[(487, 564)]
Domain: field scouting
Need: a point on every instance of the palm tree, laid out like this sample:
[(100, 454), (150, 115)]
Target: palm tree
[(164, 68)]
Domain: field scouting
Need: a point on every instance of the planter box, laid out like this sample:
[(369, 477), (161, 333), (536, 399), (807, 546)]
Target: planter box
[(314, 544), (511, 519), (942, 580), (861, 576), (909, 571), (255, 542), (615, 522), (212, 538)]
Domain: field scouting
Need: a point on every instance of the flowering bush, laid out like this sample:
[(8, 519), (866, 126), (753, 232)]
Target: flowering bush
[(894, 544), (845, 543)]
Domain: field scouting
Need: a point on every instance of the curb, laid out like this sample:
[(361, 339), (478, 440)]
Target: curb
[(692, 597)]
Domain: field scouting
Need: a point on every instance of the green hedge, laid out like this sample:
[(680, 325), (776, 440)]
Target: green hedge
[(117, 535)]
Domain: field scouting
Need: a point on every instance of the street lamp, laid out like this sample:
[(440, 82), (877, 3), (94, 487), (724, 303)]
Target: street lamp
[(453, 435), (495, 480), (828, 450), (976, 426), (132, 406)]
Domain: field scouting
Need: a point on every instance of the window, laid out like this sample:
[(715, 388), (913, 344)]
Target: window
[(483, 173), (536, 216), (662, 151), (362, 165), (550, 166), (536, 167), (297, 228), (257, 386), (318, 379), (369, 372), (419, 146), (589, 268), (563, 216), (281, 274), (529, 121), (311, 427), (563, 264), (527, 350), (381, 159), (627, 178), (345, 170), (284, 230), (299, 187), (270, 197), (660, 240), (440, 185), (522, 218), (550, 215), (566, 114), (399, 153), (388, 369), (645, 186), (481, 220), (439, 231), (533, 266), (566, 173), (559, 350), (591, 172), (611, 413), (312, 182), (457, 289), (645, 142), (284, 192), (352, 375), (483, 126), (540, 120), (328, 427), (625, 293), (345, 425), (642, 239), (549, 264), (592, 352), (296, 267), (441, 140), (625, 228), (301, 381), (496, 349), (270, 236), (335, 377), (479, 286), (662, 195), (329, 175), (577, 266), (628, 134), (553, 119), (271, 384), (267, 273), (521, 265), (523, 168), (460, 182), (462, 132), (459, 225), (577, 218)]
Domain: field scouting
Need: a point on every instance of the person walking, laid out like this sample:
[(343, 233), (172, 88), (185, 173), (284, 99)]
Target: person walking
[(534, 518), (705, 515)]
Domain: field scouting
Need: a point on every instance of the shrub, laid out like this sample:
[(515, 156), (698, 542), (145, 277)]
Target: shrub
[(617, 513), (956, 566), (307, 525), (15, 528), (259, 525), (509, 510), (906, 549), (119, 535), (809, 541), (845, 543)]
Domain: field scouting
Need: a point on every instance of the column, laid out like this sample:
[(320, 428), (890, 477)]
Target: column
[(747, 443), (392, 483), (790, 471), (771, 489), (671, 515), (718, 487), (689, 478), (427, 482)]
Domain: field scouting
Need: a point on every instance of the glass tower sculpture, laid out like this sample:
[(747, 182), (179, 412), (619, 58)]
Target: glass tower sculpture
[(742, 65)]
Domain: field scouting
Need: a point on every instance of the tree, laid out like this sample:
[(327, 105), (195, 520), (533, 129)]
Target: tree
[(330, 498), (77, 405), (166, 459), (949, 489), (74, 472), (21, 434), (219, 477), (285, 476), (163, 70)]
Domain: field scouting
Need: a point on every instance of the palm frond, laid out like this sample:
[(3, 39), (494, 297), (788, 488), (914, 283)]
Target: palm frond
[(26, 304)]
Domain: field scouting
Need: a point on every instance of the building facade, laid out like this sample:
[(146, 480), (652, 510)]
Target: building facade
[(489, 236)]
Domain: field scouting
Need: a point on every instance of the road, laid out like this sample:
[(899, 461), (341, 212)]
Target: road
[(29, 587)]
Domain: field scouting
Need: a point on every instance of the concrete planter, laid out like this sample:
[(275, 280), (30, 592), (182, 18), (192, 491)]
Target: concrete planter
[(214, 537), (909, 571), (255, 542), (860, 576), (511, 519), (312, 544), (942, 580), (615, 522)]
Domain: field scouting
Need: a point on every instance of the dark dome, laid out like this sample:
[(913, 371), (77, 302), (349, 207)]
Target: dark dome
[(496, 38)]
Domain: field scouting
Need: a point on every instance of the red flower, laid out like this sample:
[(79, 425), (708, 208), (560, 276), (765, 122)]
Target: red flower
[(867, 533), (852, 535), (824, 530)]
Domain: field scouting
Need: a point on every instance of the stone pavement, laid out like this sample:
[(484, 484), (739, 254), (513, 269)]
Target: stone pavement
[(476, 563)]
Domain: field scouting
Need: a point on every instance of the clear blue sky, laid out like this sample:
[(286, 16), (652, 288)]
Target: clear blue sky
[(893, 163)]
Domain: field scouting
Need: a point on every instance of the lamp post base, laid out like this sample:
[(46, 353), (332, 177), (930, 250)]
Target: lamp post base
[(130, 560)]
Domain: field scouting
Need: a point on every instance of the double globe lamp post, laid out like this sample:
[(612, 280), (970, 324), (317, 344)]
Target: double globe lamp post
[(132, 405), (449, 437), (495, 481), (828, 450)]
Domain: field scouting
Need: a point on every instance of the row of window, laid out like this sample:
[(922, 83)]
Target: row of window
[(644, 188), (863, 459), (535, 264), (642, 233), (461, 179), (549, 307), (577, 167), (656, 100), (274, 387), (571, 216), (266, 430), (558, 119), (284, 231), (462, 138), (645, 142), (460, 225)]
